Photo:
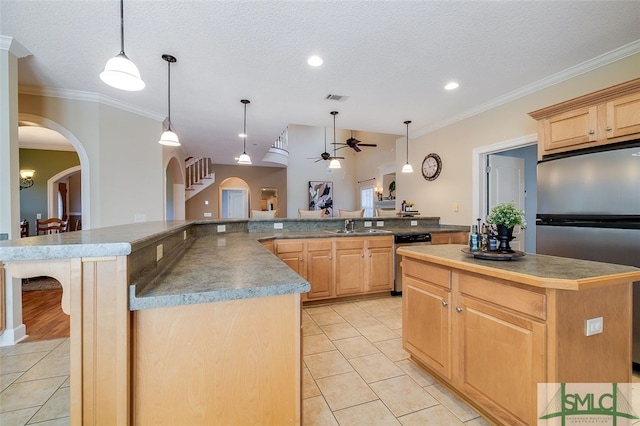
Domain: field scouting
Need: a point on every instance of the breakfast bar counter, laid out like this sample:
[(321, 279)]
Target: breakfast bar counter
[(491, 331)]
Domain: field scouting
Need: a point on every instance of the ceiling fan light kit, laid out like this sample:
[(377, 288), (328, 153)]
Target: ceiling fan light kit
[(244, 158), (407, 167), (169, 138), (120, 72)]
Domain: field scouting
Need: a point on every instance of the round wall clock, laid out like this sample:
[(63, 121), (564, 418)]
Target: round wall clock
[(431, 166)]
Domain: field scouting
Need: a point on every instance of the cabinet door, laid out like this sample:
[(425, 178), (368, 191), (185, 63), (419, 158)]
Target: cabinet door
[(623, 116), (349, 266), (501, 359), (571, 128), (292, 253), (426, 324), (320, 268), (379, 264)]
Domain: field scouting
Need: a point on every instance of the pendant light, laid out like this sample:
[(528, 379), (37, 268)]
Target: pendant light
[(244, 157), (120, 72), (168, 137), (334, 163), (407, 167)]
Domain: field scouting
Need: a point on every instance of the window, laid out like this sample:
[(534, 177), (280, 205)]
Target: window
[(366, 200)]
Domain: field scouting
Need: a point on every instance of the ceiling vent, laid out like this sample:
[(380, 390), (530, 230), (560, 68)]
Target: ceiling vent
[(339, 98)]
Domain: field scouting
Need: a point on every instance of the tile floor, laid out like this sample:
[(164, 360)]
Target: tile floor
[(355, 373)]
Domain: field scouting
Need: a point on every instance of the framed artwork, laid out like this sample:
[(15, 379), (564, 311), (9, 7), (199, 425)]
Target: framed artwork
[(321, 196)]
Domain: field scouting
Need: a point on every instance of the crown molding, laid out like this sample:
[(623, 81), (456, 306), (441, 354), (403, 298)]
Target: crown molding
[(78, 95), (590, 65), (13, 46)]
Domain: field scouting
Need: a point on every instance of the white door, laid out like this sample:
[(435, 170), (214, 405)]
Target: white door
[(235, 204), (506, 185)]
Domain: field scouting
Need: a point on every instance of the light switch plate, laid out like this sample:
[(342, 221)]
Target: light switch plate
[(221, 228), (593, 326)]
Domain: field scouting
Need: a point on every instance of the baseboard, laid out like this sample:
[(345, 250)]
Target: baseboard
[(10, 337)]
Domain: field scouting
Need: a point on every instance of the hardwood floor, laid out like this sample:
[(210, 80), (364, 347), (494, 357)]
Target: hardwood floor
[(43, 316)]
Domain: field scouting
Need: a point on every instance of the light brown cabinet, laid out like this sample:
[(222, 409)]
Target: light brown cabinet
[(450, 238), (600, 118), (342, 266), (492, 340)]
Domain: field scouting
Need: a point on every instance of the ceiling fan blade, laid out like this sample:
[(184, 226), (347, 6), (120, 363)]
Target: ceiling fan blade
[(356, 149), (343, 146), (368, 144)]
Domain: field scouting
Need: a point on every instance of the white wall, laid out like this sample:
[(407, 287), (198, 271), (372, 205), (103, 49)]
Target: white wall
[(125, 160), (455, 143)]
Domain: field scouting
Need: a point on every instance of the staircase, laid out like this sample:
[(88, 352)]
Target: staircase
[(198, 175)]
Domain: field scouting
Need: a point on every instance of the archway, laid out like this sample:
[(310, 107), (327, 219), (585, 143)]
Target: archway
[(174, 190), (53, 203), (233, 199)]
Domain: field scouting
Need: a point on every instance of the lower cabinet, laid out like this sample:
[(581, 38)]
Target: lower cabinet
[(343, 266), (486, 349)]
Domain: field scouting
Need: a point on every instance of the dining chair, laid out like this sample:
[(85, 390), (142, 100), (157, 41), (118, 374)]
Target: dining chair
[(52, 225), (350, 213), (310, 214)]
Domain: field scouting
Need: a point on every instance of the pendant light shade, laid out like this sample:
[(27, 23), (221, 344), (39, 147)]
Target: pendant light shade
[(120, 72), (244, 157), (407, 167), (169, 137), (334, 163)]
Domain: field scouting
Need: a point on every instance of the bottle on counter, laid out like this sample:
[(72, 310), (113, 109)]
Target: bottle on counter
[(403, 207), (484, 238), (474, 239)]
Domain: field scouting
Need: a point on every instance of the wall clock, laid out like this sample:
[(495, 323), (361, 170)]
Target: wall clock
[(431, 166)]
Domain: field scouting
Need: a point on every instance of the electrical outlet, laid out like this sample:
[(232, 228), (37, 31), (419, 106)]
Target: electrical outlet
[(367, 224), (206, 202), (277, 225), (184, 235), (222, 228), (207, 214), (159, 253), (139, 217), (414, 223), (379, 222), (456, 207), (593, 326)]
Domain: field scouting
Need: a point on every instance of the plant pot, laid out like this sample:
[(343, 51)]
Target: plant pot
[(505, 235)]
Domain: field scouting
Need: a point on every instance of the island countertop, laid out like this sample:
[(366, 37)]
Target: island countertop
[(535, 270)]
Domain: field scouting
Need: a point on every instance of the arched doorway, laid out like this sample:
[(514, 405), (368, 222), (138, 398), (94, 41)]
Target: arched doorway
[(233, 199), (174, 190), (64, 197)]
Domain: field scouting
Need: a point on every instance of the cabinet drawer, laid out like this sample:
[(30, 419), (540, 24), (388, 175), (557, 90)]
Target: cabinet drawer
[(319, 244), (428, 273), (517, 299), (380, 242), (289, 246), (349, 243)]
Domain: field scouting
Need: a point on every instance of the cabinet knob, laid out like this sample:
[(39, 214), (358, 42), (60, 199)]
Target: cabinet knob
[(444, 303), (300, 259), (362, 255), (591, 132), (609, 129), (458, 309)]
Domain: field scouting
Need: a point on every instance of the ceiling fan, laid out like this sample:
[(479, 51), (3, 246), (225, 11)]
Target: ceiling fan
[(325, 155), (354, 143)]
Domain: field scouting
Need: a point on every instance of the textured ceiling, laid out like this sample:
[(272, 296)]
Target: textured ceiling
[(392, 58)]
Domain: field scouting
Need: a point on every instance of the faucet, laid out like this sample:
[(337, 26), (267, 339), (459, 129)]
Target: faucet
[(348, 222)]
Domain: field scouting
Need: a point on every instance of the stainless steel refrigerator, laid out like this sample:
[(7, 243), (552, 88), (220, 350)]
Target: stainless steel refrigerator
[(589, 208)]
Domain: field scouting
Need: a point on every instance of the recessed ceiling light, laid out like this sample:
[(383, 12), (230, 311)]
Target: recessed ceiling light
[(452, 85), (242, 135), (315, 61)]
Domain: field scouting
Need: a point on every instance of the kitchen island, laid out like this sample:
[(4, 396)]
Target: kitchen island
[(491, 331)]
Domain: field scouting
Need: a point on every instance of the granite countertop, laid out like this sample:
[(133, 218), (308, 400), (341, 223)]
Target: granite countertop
[(532, 269), (219, 267)]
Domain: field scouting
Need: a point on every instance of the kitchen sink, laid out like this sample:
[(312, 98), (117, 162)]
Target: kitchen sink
[(360, 231)]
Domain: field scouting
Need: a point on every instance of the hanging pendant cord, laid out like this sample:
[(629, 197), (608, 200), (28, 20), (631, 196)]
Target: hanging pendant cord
[(169, 93), (407, 123), (122, 27), (244, 137)]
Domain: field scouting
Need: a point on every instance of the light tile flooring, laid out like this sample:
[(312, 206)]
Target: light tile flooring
[(355, 373)]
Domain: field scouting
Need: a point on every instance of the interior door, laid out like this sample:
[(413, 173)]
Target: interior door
[(235, 204), (506, 184)]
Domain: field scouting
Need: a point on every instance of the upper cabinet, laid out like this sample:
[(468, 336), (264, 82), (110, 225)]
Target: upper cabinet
[(607, 116)]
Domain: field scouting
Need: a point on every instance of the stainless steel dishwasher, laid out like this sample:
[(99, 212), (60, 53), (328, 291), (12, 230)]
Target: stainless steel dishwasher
[(403, 239)]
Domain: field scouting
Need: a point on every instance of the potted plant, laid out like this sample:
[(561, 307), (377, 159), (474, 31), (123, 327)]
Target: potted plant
[(505, 216)]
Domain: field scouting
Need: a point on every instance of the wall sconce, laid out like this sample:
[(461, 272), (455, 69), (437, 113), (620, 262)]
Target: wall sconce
[(378, 191), (26, 178)]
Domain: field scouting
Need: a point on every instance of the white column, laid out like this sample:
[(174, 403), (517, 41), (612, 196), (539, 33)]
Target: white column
[(10, 51)]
